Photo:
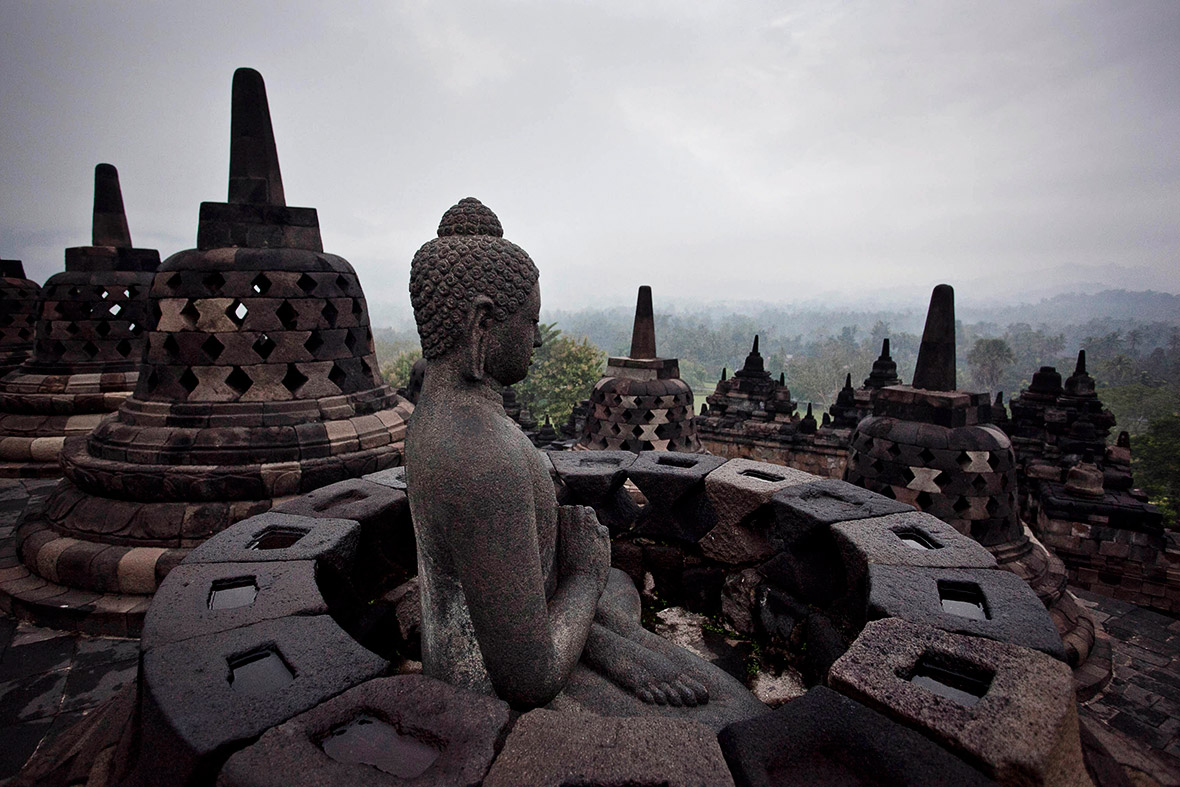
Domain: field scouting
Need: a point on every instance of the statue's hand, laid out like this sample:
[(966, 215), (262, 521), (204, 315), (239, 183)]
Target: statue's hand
[(583, 544)]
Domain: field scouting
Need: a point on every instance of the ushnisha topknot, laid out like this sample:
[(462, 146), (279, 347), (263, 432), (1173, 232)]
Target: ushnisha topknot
[(468, 258)]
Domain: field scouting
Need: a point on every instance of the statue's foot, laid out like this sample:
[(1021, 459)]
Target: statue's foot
[(652, 677)]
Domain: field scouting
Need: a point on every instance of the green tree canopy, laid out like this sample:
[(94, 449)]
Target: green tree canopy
[(987, 360), (1156, 458), (562, 374)]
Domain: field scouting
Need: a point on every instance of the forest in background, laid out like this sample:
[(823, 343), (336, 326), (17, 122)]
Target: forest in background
[(1132, 341)]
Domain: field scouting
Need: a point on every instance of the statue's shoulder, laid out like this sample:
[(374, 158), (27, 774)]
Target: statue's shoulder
[(469, 437)]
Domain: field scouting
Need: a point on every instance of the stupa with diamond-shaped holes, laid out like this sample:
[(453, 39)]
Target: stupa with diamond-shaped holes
[(88, 341), (258, 382), (20, 305)]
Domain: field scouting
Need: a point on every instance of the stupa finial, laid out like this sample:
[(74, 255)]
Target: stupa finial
[(643, 335), (1081, 366), (253, 159), (110, 220), (936, 357)]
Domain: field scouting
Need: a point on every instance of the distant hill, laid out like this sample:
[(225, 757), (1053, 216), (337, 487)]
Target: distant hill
[(1072, 309)]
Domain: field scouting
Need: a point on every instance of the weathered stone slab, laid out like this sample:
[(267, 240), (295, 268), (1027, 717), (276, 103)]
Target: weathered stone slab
[(198, 599), (984, 603), (824, 738), (355, 498), (1022, 727), (407, 729), (799, 510), (592, 475), (278, 537), (205, 695), (912, 538), (551, 749), (664, 476)]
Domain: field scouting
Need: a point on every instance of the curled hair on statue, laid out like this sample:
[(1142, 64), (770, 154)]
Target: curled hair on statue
[(468, 259)]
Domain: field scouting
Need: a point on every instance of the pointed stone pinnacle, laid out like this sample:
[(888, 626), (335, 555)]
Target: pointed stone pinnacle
[(110, 220), (848, 380), (936, 357), (782, 378), (884, 348), (643, 335), (1081, 367), (723, 373), (809, 415), (754, 349), (253, 159)]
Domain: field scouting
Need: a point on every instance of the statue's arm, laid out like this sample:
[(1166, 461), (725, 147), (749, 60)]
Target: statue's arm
[(529, 645)]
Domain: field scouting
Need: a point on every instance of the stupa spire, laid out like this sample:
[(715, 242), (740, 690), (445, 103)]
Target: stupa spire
[(109, 227), (1081, 365), (936, 357), (643, 335), (253, 159)]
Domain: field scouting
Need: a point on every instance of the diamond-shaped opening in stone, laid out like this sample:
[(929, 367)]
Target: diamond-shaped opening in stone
[(263, 345), (190, 313), (90, 349), (341, 283), (287, 315), (916, 539), (762, 475), (171, 346), (979, 484), (233, 593), (637, 431), (337, 376), (963, 459), (153, 380), (7, 320), (72, 328), (964, 599), (188, 381), (134, 328), (294, 379), (350, 341), (676, 461), (129, 293), (174, 281), (75, 292), (261, 284), (213, 282), (357, 311), (1004, 482), (993, 505), (23, 333), (330, 314), (123, 348), (952, 678), (259, 672), (237, 312), (877, 466), (239, 380), (993, 460), (314, 342), (277, 537), (369, 741), (924, 500), (366, 370), (962, 505), (104, 294), (57, 348), (306, 283), (893, 450), (926, 456), (212, 347)]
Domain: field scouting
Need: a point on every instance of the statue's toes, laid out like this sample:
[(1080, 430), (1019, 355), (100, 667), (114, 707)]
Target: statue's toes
[(646, 696), (658, 694), (673, 694), (688, 697), (700, 692)]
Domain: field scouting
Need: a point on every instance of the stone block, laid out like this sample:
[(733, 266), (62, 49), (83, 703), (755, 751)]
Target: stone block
[(1007, 710), (985, 603), (407, 729), (592, 476), (354, 498), (799, 510), (279, 537), (665, 477), (551, 749), (198, 599), (911, 538), (736, 491), (824, 738), (205, 696)]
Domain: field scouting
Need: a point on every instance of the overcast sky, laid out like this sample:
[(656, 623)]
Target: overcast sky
[(715, 150)]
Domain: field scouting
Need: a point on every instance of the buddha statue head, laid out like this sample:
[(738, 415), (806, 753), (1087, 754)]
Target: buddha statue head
[(475, 296)]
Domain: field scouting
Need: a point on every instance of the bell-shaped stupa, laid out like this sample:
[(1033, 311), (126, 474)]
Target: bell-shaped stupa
[(20, 304), (88, 343), (640, 403), (936, 448), (258, 382)]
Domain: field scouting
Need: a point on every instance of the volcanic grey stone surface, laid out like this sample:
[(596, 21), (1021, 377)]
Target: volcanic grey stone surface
[(1015, 614), (592, 475), (393, 477), (331, 540), (354, 498), (799, 510), (824, 738), (665, 476), (550, 749), (737, 490), (1023, 730), (184, 607), (193, 716), (462, 727), (876, 541)]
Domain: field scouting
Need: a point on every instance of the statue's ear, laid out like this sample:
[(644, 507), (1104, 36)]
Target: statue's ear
[(479, 321)]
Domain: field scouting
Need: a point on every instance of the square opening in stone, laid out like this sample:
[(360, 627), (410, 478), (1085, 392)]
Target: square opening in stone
[(916, 539), (367, 740), (277, 537), (233, 593), (762, 475), (676, 461), (951, 678), (964, 599), (259, 671)]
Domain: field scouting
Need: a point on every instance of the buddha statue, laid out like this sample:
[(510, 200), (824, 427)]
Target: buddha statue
[(518, 595)]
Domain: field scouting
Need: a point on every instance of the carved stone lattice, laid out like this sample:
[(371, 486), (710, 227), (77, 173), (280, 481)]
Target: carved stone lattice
[(88, 341), (20, 303)]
